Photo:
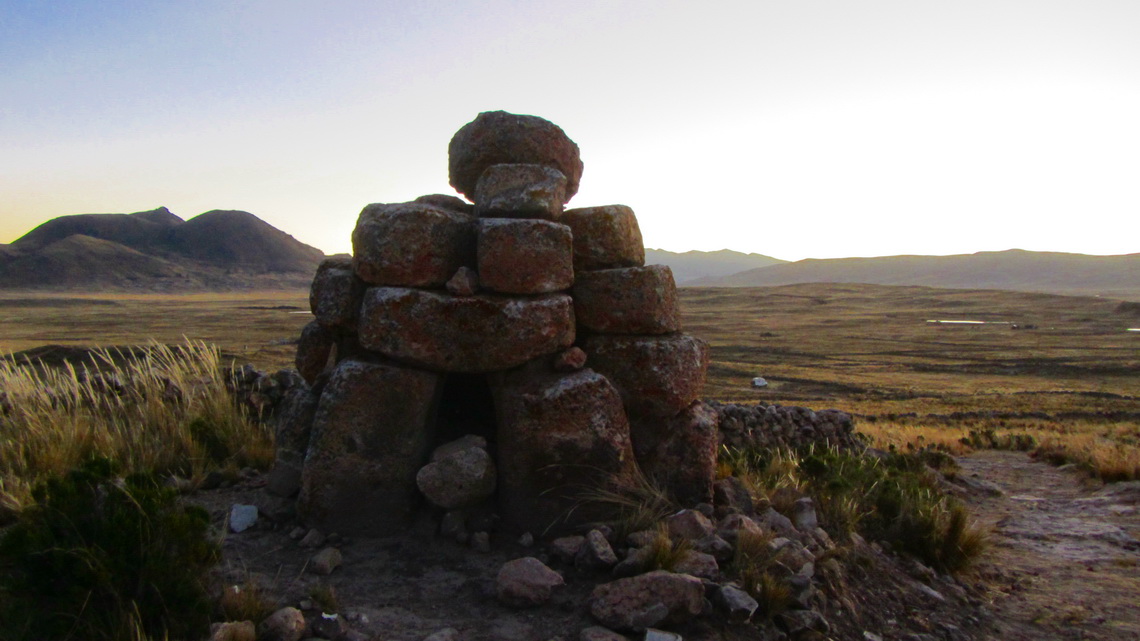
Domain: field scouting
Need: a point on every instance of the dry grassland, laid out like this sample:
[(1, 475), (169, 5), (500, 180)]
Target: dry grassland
[(1071, 382)]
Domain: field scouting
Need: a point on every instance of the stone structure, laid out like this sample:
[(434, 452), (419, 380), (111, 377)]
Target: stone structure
[(536, 328)]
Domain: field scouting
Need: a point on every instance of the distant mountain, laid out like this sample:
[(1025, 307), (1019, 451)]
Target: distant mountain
[(1014, 269), (693, 265), (156, 250)]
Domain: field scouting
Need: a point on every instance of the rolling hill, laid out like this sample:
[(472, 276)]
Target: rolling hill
[(694, 265), (1014, 269), (156, 251)]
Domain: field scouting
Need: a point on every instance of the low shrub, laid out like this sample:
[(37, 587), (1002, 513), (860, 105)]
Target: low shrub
[(97, 557), (894, 498)]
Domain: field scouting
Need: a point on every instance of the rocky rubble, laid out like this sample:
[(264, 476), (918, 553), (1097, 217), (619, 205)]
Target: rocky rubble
[(603, 584)]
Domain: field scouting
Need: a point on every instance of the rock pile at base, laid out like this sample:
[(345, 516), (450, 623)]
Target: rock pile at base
[(535, 328)]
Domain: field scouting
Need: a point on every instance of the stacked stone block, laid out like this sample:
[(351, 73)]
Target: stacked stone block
[(578, 340)]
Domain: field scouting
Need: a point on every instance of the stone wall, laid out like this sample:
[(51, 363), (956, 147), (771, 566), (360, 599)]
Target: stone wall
[(776, 426)]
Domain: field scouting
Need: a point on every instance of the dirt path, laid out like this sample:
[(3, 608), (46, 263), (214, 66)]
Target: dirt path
[(1065, 563)]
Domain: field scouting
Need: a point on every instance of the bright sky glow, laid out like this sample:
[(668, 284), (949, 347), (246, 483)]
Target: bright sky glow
[(794, 129)]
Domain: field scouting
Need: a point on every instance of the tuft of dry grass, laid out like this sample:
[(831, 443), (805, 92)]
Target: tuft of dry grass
[(1104, 457), (245, 602), (165, 410), (636, 502), (751, 563), (664, 552)]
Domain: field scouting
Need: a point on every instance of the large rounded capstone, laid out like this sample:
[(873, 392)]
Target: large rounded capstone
[(469, 334), (371, 433), (658, 376), (411, 244), (498, 137)]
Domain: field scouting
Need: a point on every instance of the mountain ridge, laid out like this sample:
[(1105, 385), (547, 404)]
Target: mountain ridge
[(1011, 269), (156, 250), (694, 265)]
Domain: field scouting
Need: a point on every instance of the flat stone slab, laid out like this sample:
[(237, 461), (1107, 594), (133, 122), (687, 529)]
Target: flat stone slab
[(469, 334)]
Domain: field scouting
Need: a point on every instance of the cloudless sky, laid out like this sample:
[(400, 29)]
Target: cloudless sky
[(796, 129)]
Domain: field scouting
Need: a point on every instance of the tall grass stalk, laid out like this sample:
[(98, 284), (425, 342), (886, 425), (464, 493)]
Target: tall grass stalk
[(164, 409)]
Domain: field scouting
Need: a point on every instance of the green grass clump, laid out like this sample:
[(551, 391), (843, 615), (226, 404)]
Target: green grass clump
[(752, 567), (989, 439), (97, 557), (894, 499)]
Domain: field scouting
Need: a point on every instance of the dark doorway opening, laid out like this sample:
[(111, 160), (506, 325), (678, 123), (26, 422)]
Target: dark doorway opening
[(465, 407)]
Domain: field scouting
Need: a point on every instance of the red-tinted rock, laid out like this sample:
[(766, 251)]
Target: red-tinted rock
[(461, 479), (520, 191), (648, 600), (558, 436), (605, 237), (313, 350), (497, 137), (464, 334), (371, 434), (334, 297), (525, 582), (524, 256), (411, 244), (679, 453), (465, 282), (658, 376), (630, 300), (445, 201), (293, 426), (570, 360)]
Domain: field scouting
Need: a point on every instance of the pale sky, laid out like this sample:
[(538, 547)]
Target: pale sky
[(793, 128)]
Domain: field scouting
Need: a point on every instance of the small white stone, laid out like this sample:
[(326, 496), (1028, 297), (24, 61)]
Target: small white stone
[(242, 517)]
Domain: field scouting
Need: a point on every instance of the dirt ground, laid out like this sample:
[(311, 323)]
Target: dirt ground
[(1065, 563)]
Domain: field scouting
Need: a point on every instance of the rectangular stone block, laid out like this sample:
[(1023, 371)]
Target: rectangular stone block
[(471, 334), (334, 296), (314, 347), (658, 376), (524, 256), (558, 436), (630, 300), (605, 237), (371, 434), (411, 244), (679, 453), (516, 190)]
